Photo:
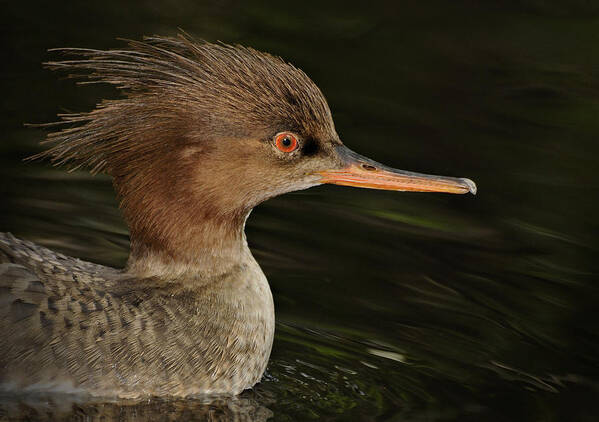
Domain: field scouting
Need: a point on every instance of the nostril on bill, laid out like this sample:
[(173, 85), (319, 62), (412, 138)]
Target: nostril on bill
[(368, 167)]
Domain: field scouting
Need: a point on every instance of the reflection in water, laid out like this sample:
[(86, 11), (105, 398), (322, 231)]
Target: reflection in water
[(244, 408)]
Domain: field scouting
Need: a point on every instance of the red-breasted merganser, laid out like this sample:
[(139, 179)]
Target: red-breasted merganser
[(203, 133)]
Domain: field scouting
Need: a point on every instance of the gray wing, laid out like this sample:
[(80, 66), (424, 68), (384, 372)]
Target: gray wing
[(49, 304)]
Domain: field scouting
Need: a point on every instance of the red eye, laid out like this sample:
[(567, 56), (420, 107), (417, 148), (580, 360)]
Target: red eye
[(286, 142)]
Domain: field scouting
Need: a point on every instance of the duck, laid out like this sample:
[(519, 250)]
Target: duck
[(200, 134)]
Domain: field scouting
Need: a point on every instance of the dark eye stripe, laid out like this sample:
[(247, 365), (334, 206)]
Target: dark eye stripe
[(311, 147)]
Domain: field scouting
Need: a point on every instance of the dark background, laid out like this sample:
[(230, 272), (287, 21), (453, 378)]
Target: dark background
[(390, 306)]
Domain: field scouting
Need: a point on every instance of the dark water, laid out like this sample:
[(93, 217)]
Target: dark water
[(390, 306)]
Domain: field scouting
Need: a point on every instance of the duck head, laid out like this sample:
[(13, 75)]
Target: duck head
[(202, 134)]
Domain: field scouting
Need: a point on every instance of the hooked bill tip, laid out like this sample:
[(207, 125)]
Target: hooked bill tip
[(471, 185)]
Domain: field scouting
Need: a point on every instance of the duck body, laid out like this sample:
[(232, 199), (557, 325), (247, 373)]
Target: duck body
[(75, 326), (201, 134)]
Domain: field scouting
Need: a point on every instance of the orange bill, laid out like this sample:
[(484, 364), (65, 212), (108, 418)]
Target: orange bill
[(362, 172)]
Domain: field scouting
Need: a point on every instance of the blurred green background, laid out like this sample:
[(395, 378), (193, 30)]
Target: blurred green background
[(390, 306)]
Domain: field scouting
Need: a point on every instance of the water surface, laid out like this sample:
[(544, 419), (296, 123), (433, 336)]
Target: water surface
[(390, 306)]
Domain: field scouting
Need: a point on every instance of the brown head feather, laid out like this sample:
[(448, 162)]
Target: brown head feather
[(175, 84), (181, 189)]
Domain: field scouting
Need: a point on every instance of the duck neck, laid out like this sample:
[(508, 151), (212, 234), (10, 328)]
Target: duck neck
[(185, 221), (198, 251)]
